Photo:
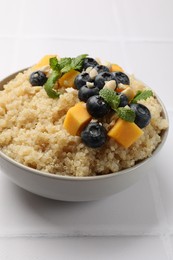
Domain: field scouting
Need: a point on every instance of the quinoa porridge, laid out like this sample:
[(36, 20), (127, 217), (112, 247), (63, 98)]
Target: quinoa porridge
[(37, 130)]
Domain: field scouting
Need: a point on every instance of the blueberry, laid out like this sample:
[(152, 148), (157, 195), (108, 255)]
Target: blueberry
[(123, 100), (101, 68), (84, 92), (81, 80), (143, 115), (89, 62), (94, 135), (97, 107), (122, 78), (101, 78), (37, 78)]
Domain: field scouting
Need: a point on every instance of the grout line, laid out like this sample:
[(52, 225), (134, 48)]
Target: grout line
[(161, 215), (119, 38), (148, 40), (164, 236)]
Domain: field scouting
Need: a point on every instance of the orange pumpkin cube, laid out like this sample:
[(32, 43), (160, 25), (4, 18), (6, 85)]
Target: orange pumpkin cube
[(67, 80), (76, 119), (43, 62), (115, 67), (125, 133)]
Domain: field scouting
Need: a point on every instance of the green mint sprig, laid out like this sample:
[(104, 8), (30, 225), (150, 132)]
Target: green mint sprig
[(110, 97), (52, 93), (126, 114), (142, 95), (60, 67), (113, 100)]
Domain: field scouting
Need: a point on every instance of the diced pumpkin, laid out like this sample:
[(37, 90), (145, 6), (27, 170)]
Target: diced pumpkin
[(76, 119), (67, 80), (43, 62), (115, 67), (125, 133), (129, 92)]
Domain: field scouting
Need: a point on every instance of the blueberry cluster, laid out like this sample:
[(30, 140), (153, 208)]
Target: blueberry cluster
[(89, 83), (92, 79)]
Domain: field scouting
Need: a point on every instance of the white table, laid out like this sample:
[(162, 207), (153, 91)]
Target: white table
[(138, 222)]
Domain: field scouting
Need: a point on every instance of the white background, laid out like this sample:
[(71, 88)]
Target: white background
[(138, 222)]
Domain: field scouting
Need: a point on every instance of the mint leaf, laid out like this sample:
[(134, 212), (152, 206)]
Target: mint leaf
[(110, 97), (142, 95), (60, 67), (50, 84), (54, 64), (64, 62), (66, 69), (72, 63), (115, 103), (77, 63), (67, 64), (126, 114)]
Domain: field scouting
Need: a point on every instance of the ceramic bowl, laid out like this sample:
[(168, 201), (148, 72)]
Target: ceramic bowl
[(69, 188)]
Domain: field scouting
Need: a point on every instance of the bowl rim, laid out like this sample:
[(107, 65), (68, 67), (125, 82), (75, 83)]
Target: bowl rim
[(129, 170)]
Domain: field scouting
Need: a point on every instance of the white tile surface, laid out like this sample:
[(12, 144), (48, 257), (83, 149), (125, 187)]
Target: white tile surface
[(9, 18), (69, 18), (136, 223), (7, 50), (71, 47), (129, 212), (152, 63), (83, 248), (146, 20)]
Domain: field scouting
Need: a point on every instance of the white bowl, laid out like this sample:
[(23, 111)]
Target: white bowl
[(69, 188)]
